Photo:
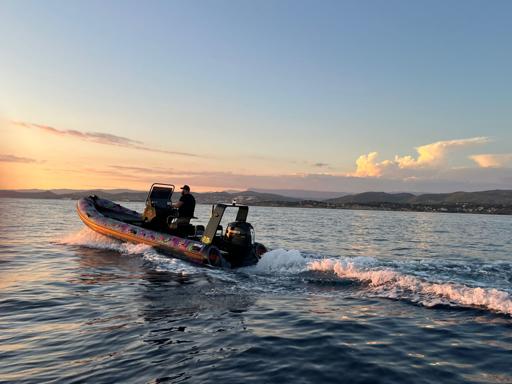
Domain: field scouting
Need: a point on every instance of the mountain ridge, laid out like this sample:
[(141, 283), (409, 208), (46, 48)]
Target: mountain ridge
[(498, 196)]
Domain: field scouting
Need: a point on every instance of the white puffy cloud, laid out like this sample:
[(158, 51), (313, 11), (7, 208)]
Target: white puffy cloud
[(492, 160), (428, 156), (434, 153), (367, 166)]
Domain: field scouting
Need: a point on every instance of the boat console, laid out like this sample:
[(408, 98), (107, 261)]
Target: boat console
[(159, 206)]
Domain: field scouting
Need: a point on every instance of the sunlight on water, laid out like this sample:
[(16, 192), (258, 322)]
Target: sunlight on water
[(379, 296), (382, 280)]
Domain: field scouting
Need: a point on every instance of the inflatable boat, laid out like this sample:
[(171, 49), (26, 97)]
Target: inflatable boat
[(210, 246)]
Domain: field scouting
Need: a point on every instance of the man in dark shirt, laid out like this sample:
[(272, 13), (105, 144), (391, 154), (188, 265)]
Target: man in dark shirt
[(186, 206)]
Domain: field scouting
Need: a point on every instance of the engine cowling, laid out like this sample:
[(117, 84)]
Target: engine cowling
[(239, 234)]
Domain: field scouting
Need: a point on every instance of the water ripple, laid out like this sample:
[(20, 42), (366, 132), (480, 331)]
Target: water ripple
[(348, 296)]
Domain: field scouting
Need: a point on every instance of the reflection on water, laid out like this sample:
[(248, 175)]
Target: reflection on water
[(93, 310), (24, 278)]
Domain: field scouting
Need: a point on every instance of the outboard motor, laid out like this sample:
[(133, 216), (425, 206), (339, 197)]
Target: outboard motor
[(240, 234), (237, 243), (239, 240)]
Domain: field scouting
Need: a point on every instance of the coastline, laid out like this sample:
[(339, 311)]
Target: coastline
[(467, 208)]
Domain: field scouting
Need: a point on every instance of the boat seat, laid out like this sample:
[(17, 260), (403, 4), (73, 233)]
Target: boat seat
[(183, 230)]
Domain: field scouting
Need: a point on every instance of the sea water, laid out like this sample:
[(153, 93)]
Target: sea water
[(343, 296)]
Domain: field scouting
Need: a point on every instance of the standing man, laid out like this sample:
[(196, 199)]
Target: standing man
[(186, 206)]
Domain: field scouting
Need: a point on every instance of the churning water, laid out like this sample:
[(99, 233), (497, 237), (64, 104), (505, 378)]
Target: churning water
[(344, 296)]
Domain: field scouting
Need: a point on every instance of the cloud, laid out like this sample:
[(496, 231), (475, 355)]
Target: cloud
[(140, 169), (367, 166), (320, 165), (429, 156), (167, 172), (101, 138), (443, 180), (16, 159), (446, 181), (492, 161), (434, 153)]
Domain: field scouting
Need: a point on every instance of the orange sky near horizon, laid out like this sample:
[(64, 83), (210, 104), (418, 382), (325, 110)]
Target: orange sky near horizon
[(47, 161), (35, 156)]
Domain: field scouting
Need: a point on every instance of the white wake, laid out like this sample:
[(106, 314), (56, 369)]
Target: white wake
[(380, 281), (386, 282), (90, 239)]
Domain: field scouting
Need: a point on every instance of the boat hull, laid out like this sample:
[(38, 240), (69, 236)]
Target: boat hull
[(91, 211)]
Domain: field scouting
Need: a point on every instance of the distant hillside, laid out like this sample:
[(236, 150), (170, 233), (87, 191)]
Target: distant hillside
[(373, 197), (301, 194), (75, 195), (245, 197), (29, 194), (116, 196), (501, 197), (497, 201)]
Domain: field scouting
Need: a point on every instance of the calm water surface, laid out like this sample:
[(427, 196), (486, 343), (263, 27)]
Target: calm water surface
[(344, 296)]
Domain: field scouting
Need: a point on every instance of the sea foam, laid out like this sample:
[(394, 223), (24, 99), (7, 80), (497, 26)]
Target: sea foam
[(280, 261), (381, 281), (385, 282), (90, 239)]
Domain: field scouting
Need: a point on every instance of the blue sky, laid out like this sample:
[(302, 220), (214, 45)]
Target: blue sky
[(270, 89)]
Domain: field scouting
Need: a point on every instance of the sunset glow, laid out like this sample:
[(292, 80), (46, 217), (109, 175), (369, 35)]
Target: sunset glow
[(344, 107)]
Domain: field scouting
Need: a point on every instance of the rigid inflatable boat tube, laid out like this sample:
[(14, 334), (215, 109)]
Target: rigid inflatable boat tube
[(179, 247)]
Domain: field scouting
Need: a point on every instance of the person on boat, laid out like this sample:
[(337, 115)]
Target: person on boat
[(186, 206)]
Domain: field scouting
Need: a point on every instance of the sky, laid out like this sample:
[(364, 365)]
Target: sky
[(343, 96)]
